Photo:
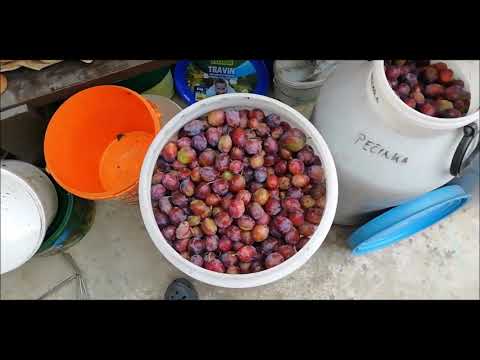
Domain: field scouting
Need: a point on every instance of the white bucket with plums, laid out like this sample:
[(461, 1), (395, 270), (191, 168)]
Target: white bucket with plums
[(239, 101), (385, 151)]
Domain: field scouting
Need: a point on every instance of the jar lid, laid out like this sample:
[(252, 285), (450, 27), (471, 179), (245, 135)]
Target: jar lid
[(198, 79), (407, 219)]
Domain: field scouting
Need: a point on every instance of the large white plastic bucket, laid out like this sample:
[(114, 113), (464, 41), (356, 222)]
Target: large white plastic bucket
[(29, 204), (386, 152), (239, 101)]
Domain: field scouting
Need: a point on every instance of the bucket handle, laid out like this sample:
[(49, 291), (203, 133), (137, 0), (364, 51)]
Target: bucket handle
[(459, 163)]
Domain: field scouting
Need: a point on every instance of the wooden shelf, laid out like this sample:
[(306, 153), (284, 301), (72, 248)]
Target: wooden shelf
[(59, 81)]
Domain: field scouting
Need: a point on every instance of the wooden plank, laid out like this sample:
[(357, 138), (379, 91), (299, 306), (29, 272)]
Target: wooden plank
[(62, 80)]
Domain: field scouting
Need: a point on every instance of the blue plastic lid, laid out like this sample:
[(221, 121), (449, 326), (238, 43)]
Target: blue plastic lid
[(242, 75), (407, 219)]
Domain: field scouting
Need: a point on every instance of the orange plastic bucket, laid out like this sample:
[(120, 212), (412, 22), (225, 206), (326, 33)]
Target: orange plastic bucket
[(96, 141)]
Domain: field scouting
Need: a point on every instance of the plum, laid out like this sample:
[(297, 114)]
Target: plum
[(186, 155), (202, 190), (216, 118), (215, 265), (292, 237), (273, 206), (177, 215), (434, 90), (245, 223), (430, 74), (207, 157), (179, 199), (314, 215), (194, 220), (197, 260), (283, 224), (169, 232), (273, 259), (239, 137), (229, 258), (296, 217), (233, 270), (296, 166), (222, 162), (428, 109), (161, 218), (211, 242), (164, 204), (225, 144), (157, 191), (233, 118), (199, 208), (273, 120), (244, 195), (220, 187), (223, 219), (208, 226), (199, 142), (237, 183), (260, 233), (256, 161), (181, 245), (194, 127), (287, 251), (213, 135), (169, 152), (183, 230), (246, 253), (261, 196), (224, 244), (253, 146), (306, 229), (300, 180), (237, 208)]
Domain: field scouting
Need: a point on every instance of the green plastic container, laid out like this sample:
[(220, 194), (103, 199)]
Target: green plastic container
[(158, 82), (73, 221)]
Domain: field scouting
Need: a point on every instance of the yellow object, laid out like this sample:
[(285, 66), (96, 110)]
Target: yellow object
[(163, 88), (3, 83)]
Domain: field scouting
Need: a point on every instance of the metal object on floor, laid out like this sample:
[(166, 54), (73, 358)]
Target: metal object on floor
[(72, 262), (57, 287), (82, 289)]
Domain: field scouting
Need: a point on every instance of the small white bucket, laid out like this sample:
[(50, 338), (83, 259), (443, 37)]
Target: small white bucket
[(289, 82), (238, 101), (29, 205)]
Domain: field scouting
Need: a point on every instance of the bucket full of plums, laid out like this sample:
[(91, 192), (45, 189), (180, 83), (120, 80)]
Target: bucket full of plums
[(397, 129), (238, 190)]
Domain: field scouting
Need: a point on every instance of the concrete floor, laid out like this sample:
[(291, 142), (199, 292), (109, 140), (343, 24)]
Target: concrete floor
[(121, 262)]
